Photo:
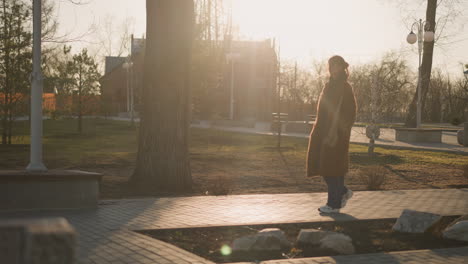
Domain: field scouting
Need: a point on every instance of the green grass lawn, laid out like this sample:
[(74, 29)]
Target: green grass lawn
[(249, 162), (103, 142)]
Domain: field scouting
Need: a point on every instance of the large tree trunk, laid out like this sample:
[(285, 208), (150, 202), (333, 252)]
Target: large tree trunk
[(163, 161), (426, 66)]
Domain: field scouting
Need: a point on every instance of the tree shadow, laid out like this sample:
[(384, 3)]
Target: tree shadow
[(292, 172), (363, 158), (401, 175), (339, 217)]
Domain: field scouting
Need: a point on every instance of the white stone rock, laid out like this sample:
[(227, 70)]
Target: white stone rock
[(266, 243), (339, 243), (415, 222), (243, 243), (460, 136), (272, 239), (311, 236), (278, 233), (461, 218), (458, 231)]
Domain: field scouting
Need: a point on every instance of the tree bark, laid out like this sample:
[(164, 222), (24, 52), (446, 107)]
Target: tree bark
[(426, 66), (163, 161)]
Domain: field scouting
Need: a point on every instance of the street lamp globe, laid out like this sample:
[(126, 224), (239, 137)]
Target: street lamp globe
[(412, 38), (428, 36)]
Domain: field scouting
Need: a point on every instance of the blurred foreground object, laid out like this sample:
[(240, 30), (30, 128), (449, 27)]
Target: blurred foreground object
[(37, 241)]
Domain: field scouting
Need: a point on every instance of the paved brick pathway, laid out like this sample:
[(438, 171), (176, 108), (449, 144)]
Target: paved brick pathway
[(106, 234), (449, 256)]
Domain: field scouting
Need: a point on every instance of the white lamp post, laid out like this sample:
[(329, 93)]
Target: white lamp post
[(423, 36), (36, 164), (232, 57), (465, 140), (128, 66)]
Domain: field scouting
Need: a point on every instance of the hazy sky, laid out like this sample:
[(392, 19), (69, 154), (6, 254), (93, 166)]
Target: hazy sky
[(359, 30)]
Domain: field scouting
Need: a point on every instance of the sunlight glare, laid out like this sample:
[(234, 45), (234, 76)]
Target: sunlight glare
[(226, 250), (320, 28)]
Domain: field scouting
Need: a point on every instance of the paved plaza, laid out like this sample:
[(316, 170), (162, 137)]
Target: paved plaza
[(106, 234)]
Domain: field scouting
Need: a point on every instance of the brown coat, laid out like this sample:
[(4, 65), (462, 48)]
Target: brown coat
[(329, 140)]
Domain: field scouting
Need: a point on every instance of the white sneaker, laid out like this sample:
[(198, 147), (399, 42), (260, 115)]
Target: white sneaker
[(346, 197), (327, 209)]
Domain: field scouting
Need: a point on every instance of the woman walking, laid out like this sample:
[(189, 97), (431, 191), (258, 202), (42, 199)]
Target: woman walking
[(329, 141)]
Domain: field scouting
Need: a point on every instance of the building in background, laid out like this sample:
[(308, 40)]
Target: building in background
[(118, 82), (251, 81), (252, 72), (20, 103)]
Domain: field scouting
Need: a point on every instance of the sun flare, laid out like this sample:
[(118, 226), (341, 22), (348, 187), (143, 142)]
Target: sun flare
[(320, 28)]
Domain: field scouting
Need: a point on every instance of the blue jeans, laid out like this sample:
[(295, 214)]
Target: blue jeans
[(336, 190)]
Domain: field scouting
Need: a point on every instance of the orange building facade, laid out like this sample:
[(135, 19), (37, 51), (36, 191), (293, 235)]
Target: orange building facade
[(21, 103)]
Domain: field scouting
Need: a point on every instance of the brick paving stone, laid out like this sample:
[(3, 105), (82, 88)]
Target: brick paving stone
[(436, 256), (106, 234)]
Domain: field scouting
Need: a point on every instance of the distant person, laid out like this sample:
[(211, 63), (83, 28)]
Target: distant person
[(329, 141)]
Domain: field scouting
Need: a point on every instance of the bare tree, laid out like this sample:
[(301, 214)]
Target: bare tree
[(446, 24), (163, 161), (437, 97), (300, 89), (15, 61), (114, 38), (374, 83), (209, 49), (319, 79), (50, 25)]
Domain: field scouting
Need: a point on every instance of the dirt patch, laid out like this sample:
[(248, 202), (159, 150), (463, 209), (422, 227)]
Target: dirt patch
[(270, 172), (240, 163), (369, 236)]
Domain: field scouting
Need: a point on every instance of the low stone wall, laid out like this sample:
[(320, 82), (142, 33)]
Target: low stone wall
[(293, 127), (43, 241), (422, 135), (465, 135), (299, 127), (21, 190), (274, 127), (233, 123)]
